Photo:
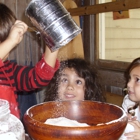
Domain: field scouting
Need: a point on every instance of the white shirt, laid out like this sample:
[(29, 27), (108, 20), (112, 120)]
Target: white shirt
[(127, 103)]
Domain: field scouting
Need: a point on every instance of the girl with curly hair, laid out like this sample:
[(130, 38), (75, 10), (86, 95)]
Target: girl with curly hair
[(76, 79)]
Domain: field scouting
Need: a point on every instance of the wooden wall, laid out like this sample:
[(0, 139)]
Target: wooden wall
[(122, 37), (30, 49)]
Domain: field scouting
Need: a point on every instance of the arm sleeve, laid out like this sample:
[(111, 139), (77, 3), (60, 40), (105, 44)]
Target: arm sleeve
[(44, 70), (1, 63), (28, 78)]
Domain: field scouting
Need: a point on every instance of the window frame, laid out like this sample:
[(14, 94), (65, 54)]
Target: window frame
[(90, 29)]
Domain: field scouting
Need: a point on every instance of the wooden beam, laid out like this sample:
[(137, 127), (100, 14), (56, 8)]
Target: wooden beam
[(119, 5)]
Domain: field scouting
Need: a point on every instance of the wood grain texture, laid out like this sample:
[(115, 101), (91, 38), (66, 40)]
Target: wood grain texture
[(92, 113), (121, 5)]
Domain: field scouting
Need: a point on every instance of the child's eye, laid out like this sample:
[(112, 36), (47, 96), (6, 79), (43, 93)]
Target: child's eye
[(64, 80), (138, 80), (79, 82)]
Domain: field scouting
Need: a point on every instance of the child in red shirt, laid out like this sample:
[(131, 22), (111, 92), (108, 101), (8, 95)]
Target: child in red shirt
[(14, 77)]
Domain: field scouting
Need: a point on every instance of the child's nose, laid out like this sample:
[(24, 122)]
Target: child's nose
[(70, 86), (129, 84)]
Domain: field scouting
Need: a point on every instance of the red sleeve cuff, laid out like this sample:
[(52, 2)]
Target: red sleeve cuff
[(45, 70), (1, 63)]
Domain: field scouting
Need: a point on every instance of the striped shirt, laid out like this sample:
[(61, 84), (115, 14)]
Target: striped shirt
[(24, 78)]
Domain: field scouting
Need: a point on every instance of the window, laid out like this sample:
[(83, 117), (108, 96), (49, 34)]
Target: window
[(119, 39)]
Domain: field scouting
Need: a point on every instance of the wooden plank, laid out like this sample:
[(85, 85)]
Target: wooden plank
[(88, 35), (112, 78), (119, 24), (122, 33), (114, 99), (122, 55), (120, 5), (111, 65), (122, 43), (132, 53), (134, 13)]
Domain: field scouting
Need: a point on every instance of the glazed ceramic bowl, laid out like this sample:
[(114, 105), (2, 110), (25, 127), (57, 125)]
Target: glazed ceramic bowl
[(106, 121)]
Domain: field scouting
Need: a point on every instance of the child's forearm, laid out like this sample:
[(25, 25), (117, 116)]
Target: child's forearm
[(50, 57), (5, 48)]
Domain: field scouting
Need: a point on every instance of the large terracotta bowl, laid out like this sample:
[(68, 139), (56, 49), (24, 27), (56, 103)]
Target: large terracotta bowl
[(107, 121)]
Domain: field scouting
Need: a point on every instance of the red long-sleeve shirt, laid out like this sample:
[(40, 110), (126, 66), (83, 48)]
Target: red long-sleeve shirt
[(24, 78)]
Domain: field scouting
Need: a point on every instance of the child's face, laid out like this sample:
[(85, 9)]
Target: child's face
[(134, 84), (71, 86)]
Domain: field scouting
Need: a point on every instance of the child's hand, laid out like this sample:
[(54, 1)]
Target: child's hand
[(50, 57), (17, 31), (15, 36), (135, 135), (131, 118)]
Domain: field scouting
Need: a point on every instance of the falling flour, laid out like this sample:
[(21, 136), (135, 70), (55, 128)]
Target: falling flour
[(62, 121)]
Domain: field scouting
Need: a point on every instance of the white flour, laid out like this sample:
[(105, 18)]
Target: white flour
[(62, 121)]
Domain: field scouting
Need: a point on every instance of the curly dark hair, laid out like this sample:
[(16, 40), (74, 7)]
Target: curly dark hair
[(84, 70), (7, 19)]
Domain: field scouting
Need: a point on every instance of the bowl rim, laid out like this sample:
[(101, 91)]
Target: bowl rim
[(124, 115)]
